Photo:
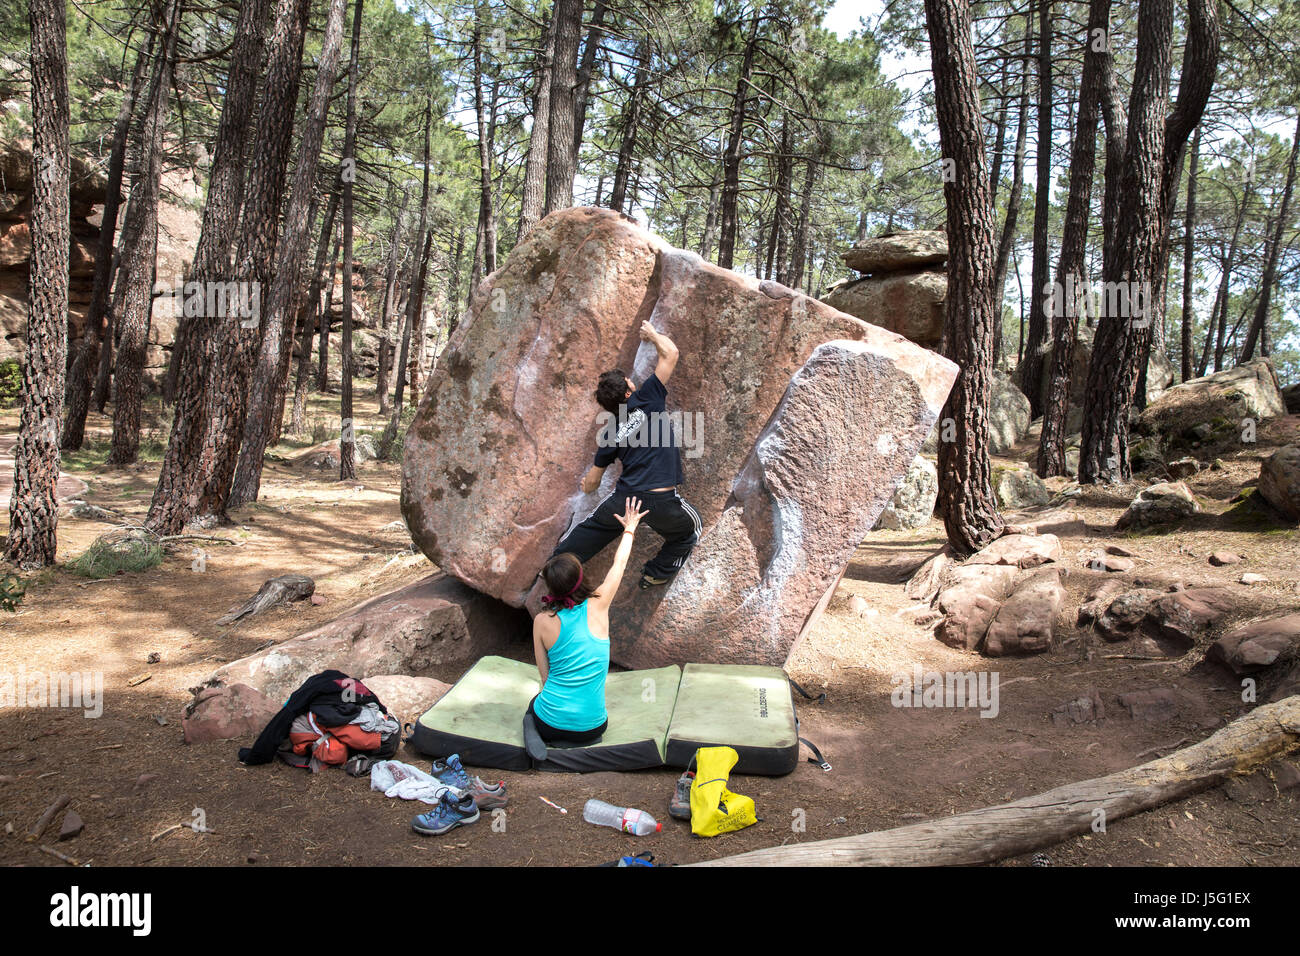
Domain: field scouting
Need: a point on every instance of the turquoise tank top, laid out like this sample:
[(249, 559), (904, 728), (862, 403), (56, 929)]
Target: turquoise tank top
[(573, 697)]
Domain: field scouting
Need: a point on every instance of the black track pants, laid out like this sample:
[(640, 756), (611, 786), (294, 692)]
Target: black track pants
[(671, 517)]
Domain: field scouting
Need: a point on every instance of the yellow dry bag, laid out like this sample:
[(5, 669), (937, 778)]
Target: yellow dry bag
[(714, 808)]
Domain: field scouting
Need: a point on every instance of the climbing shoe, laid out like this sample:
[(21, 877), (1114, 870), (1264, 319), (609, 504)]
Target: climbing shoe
[(649, 581), (679, 806), (451, 812)]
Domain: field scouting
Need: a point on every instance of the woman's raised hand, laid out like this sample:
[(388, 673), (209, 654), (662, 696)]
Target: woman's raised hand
[(632, 515)]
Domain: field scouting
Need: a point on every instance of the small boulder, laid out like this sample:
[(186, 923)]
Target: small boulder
[(1251, 577), (1087, 709), (1018, 488), (1279, 481), (1163, 503), (1221, 558), (899, 250), (971, 602), (1154, 705), (406, 697), (1026, 621), (1019, 551), (72, 825), (1257, 646), (1183, 468), (233, 712), (913, 503)]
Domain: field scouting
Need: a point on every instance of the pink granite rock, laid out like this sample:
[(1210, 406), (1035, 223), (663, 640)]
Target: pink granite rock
[(408, 632), (494, 457)]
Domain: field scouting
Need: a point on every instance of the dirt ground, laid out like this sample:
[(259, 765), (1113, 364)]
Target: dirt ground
[(130, 775)]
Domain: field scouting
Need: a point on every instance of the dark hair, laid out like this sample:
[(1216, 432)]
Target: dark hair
[(611, 390), (565, 582)]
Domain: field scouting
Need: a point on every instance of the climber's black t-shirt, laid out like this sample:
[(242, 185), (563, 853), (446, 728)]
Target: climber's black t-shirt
[(645, 439)]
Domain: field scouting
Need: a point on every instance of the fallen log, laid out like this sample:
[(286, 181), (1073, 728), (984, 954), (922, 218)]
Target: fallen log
[(994, 833)]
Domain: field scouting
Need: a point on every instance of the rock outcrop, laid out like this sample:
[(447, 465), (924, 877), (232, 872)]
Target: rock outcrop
[(1201, 407), (178, 227), (797, 421), (903, 287)]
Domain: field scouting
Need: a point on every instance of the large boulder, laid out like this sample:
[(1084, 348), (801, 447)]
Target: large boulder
[(913, 503), (909, 303), (1216, 402), (1291, 398), (898, 250), (1279, 481), (804, 438)]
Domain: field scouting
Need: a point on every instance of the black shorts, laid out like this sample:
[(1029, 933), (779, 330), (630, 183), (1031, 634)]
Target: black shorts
[(553, 735)]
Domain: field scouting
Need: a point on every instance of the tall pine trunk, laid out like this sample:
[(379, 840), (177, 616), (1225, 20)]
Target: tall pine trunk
[(139, 251), (560, 168), (33, 502), (347, 433), (1071, 278), (1038, 333), (534, 190), (288, 254), (86, 357), (1189, 230), (969, 508), (1258, 325)]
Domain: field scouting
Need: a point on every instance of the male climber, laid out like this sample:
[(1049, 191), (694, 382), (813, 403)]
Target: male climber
[(643, 436)]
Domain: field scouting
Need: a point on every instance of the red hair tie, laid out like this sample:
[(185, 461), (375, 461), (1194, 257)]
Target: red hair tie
[(567, 600)]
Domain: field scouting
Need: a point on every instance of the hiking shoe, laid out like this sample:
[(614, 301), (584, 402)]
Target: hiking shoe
[(649, 581), (679, 806), (451, 773), (488, 796), (447, 815), (533, 742)]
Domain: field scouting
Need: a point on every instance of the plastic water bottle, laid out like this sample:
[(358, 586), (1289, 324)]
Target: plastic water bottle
[(636, 822)]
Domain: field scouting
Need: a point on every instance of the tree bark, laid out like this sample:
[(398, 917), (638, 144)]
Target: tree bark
[(729, 225), (139, 250), (1038, 333), (586, 68), (534, 188), (1257, 327), (969, 508), (385, 356), (85, 361), (1189, 229), (33, 502), (226, 180), (201, 459), (347, 434), (326, 307), (1008, 238), (1071, 280), (312, 317), (1112, 372), (560, 168), (263, 365), (629, 123)]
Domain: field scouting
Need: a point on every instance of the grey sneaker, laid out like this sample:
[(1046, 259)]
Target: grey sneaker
[(447, 815), (679, 805)]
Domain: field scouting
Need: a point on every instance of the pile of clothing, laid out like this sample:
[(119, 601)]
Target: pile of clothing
[(328, 721)]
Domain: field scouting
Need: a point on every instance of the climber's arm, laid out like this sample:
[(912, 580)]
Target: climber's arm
[(591, 480), (666, 348)]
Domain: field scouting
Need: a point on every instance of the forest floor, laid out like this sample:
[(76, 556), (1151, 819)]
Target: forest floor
[(130, 775)]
